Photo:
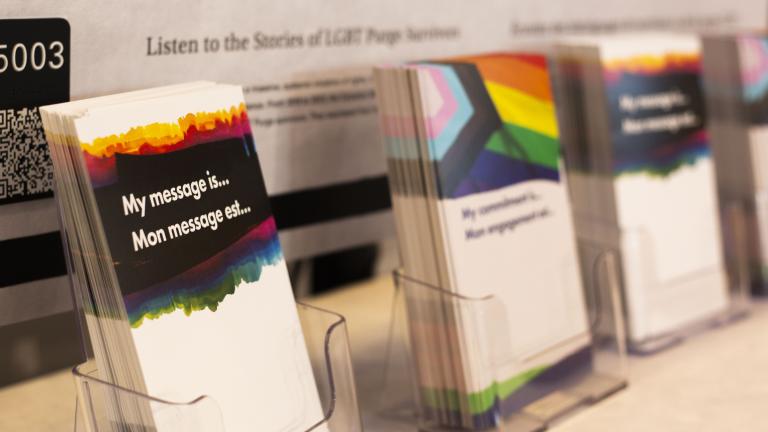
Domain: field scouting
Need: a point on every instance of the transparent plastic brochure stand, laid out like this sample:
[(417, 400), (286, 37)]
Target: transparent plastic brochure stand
[(325, 334), (419, 352), (745, 229), (639, 245)]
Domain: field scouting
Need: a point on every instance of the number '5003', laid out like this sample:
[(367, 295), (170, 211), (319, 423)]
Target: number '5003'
[(38, 56)]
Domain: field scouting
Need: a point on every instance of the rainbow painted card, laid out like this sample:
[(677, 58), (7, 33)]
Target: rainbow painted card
[(181, 201), (666, 198), (746, 168), (487, 135), (645, 179), (752, 51), (736, 71)]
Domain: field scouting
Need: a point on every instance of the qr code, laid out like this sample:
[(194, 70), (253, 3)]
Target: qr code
[(26, 171)]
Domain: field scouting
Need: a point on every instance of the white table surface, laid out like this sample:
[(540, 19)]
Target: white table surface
[(716, 381)]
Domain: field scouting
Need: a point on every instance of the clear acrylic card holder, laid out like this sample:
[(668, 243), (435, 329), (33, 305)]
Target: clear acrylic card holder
[(327, 343), (432, 330), (745, 233), (640, 247)]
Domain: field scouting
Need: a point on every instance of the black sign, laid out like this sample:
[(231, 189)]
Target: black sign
[(34, 71)]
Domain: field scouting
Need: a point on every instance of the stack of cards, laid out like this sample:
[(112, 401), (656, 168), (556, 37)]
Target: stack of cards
[(736, 77), (482, 210), (643, 181), (175, 257)]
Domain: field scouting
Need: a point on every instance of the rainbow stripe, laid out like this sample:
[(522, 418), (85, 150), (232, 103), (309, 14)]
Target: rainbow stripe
[(156, 138), (205, 285), (495, 124), (649, 65), (508, 396)]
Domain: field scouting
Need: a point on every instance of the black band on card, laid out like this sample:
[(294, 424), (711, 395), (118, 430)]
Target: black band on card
[(311, 206), (27, 259)]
